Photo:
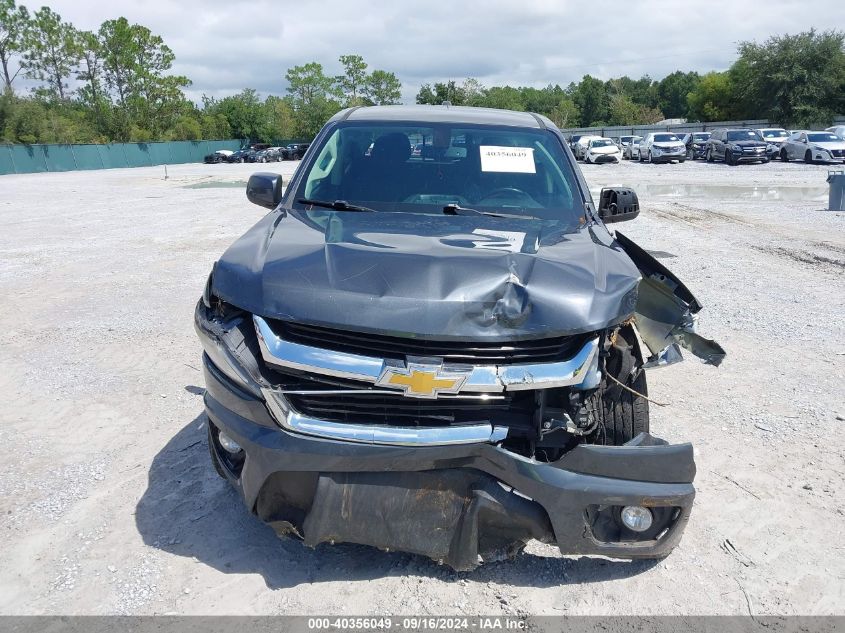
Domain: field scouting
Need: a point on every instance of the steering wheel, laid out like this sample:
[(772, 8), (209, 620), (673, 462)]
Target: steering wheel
[(506, 191)]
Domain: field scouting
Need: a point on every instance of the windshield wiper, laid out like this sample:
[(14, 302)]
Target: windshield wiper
[(456, 209), (337, 205)]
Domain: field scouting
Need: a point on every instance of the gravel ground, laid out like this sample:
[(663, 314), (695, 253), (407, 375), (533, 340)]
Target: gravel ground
[(108, 503)]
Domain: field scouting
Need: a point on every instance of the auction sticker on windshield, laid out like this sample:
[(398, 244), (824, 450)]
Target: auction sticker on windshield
[(507, 159)]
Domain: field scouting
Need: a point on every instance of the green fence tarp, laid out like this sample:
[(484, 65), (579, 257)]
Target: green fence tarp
[(137, 155), (28, 159), (24, 159), (159, 153), (182, 152), (87, 157), (59, 157), (7, 165), (112, 155)]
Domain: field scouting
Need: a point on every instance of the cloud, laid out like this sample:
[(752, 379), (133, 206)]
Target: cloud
[(227, 45)]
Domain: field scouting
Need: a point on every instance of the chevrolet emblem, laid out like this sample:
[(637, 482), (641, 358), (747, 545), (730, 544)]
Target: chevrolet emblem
[(421, 380)]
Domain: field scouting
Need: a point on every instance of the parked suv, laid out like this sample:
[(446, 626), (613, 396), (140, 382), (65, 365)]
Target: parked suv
[(662, 147), (295, 151), (696, 144), (440, 354), (736, 146)]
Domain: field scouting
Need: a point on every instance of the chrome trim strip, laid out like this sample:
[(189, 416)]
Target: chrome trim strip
[(384, 392), (278, 351), (482, 379), (379, 434), (550, 375)]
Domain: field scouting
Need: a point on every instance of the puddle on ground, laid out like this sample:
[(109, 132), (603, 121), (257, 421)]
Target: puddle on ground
[(727, 192), (217, 184)]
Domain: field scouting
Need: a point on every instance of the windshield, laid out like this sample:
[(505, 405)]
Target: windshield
[(665, 138), (743, 135), (823, 137), (701, 136), (775, 134), (602, 142), (487, 168)]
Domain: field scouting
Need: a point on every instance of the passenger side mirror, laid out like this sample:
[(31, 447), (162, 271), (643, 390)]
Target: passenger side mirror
[(264, 189), (618, 205)]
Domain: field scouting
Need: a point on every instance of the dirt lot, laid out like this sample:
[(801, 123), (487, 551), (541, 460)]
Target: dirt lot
[(108, 503)]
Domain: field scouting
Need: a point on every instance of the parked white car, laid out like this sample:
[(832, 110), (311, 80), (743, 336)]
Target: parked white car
[(662, 147), (814, 147), (839, 130), (632, 150), (582, 144), (774, 137), (602, 150)]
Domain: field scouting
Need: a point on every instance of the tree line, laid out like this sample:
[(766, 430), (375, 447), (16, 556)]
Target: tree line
[(796, 80), (116, 84)]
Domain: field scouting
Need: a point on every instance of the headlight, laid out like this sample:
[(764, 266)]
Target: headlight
[(736, 148)]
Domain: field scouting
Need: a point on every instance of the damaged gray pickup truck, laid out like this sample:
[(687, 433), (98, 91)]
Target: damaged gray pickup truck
[(443, 351)]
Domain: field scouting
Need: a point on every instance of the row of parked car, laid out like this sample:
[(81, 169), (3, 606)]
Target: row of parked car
[(258, 153), (730, 145)]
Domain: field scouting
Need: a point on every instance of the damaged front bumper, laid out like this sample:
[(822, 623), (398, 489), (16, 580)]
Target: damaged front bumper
[(452, 503)]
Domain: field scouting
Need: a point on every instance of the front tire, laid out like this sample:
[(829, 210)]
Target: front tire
[(784, 156), (709, 155), (808, 157), (622, 414)]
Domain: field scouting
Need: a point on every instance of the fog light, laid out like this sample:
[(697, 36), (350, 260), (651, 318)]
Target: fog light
[(636, 518), (233, 447)]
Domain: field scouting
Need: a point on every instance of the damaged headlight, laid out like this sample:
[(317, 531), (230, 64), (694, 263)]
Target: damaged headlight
[(228, 340)]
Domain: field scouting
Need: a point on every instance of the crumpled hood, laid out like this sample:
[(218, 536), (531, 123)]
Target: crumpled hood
[(447, 277)]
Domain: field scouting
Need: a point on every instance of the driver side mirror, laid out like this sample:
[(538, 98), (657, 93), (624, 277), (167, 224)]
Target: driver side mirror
[(264, 189), (618, 205)]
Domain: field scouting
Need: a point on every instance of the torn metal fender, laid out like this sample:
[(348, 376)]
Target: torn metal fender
[(664, 315)]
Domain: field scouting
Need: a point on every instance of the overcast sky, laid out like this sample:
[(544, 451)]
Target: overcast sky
[(227, 45)]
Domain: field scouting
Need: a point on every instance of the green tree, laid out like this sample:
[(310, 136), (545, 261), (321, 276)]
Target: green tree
[(51, 52), (473, 91), (592, 100), (215, 126), (383, 88), (243, 112), (26, 123), (440, 92), (712, 99), (504, 98), (797, 80), (565, 113), (672, 93), (352, 82), (135, 63), (314, 97), (14, 22), (279, 119)]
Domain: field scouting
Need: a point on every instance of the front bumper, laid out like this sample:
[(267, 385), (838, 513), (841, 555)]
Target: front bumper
[(451, 503), (604, 158), (667, 157)]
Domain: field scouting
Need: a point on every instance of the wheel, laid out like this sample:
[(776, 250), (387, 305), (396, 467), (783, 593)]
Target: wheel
[(622, 414), (640, 156), (808, 157), (690, 154), (709, 155), (240, 160), (729, 158), (649, 157), (681, 160), (783, 155)]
